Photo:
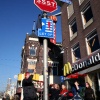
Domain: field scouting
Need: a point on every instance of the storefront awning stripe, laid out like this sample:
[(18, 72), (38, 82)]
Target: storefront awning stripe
[(76, 75)]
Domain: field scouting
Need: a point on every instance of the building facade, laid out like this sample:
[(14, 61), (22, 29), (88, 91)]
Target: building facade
[(81, 35), (32, 56)]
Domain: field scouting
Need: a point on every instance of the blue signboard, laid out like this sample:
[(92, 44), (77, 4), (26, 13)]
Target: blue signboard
[(47, 28), (62, 78)]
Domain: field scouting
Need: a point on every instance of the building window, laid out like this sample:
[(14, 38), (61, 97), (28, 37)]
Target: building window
[(31, 62), (30, 70), (32, 51), (73, 29), (19, 84), (70, 10), (55, 70), (87, 15), (76, 53), (80, 2), (92, 42)]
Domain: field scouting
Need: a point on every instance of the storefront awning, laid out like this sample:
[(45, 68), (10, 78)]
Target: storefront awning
[(76, 75)]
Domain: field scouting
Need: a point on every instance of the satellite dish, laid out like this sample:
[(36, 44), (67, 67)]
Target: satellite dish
[(15, 76)]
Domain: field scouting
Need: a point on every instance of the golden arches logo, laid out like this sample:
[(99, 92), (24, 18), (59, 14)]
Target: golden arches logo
[(67, 69)]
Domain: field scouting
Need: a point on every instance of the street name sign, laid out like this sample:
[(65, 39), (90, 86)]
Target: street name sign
[(47, 29), (46, 5)]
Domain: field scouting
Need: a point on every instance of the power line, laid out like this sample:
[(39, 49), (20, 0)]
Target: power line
[(10, 59)]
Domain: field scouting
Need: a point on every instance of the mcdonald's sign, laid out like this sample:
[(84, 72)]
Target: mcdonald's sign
[(67, 69)]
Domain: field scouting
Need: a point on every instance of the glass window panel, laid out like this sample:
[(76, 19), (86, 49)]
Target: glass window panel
[(54, 70), (93, 42), (88, 14), (76, 53), (32, 51), (74, 27)]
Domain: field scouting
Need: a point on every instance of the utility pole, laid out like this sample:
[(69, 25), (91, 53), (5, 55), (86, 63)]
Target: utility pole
[(45, 69)]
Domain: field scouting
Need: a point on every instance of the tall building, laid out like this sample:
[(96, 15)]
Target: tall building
[(81, 35), (29, 53), (8, 84), (32, 56)]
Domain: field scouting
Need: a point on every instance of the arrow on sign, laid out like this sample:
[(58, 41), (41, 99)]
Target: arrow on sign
[(43, 23)]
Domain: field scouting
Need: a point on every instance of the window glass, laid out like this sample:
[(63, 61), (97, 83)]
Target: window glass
[(87, 15), (92, 42), (54, 70), (73, 27), (31, 70), (32, 51), (70, 10), (76, 53)]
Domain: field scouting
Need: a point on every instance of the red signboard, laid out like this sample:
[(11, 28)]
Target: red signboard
[(54, 39), (46, 5), (54, 18)]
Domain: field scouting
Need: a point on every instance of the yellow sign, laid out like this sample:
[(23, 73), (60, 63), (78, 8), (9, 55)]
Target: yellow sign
[(67, 69), (36, 77), (22, 76)]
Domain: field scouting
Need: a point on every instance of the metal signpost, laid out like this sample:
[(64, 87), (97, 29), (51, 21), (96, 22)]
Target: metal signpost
[(46, 32)]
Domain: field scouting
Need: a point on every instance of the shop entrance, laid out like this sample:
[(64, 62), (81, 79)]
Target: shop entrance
[(81, 81), (95, 80), (97, 85)]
